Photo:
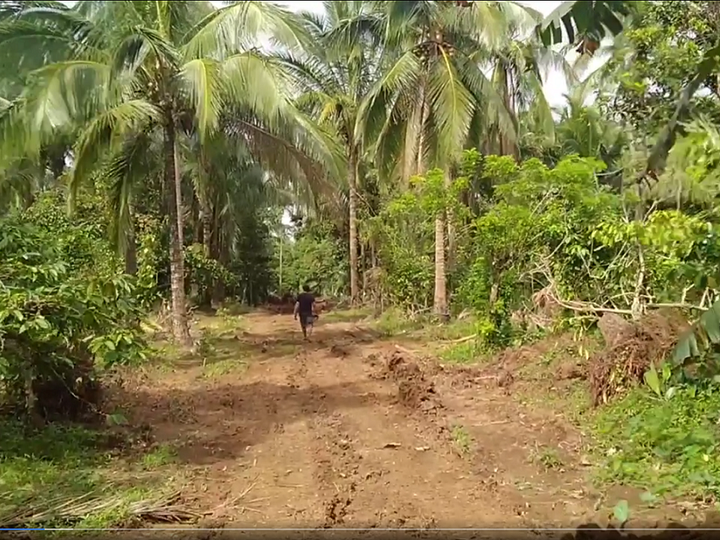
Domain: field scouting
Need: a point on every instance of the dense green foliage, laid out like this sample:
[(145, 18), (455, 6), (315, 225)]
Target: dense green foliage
[(151, 153), (65, 309)]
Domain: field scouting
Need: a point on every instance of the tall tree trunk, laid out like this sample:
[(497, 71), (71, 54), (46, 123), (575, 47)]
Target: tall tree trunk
[(131, 263), (197, 220), (206, 222), (507, 146), (205, 206), (217, 252), (450, 219), (424, 114), (440, 297), (206, 214), (181, 329), (223, 257), (363, 264), (352, 203), (130, 253)]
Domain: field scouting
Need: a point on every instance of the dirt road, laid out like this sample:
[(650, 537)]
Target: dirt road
[(352, 431)]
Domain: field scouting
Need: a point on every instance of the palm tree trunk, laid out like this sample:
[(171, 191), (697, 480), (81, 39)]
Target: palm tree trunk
[(205, 206), (207, 230), (181, 330), (217, 252), (508, 147), (197, 236), (223, 257), (130, 250), (440, 297), (451, 236), (131, 262), (363, 264), (424, 114), (352, 203)]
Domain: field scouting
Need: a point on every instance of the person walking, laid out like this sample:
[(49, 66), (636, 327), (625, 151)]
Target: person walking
[(305, 309)]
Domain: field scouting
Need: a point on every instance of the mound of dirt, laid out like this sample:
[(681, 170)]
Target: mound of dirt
[(339, 351), (630, 350), (415, 391)]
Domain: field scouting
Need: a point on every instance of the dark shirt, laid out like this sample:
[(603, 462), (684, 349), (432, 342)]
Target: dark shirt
[(306, 301)]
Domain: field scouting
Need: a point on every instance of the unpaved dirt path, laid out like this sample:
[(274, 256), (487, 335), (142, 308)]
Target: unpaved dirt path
[(352, 431)]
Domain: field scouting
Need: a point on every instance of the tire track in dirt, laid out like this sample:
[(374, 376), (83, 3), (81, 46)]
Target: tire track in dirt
[(454, 497), (352, 474), (389, 462), (337, 469), (498, 458)]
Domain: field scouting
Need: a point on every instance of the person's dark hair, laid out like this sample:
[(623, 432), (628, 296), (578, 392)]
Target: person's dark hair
[(306, 288)]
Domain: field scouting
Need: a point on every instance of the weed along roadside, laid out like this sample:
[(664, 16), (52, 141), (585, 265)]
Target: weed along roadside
[(361, 266)]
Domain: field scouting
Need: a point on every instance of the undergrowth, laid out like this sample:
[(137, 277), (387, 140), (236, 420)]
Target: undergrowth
[(41, 472), (667, 446)]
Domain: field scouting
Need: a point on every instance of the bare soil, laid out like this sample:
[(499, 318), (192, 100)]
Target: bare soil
[(351, 431)]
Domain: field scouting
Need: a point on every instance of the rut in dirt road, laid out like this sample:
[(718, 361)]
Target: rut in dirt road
[(351, 431)]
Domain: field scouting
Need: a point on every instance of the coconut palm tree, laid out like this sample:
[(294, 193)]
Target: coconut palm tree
[(520, 67), (434, 97), (332, 77), (164, 69)]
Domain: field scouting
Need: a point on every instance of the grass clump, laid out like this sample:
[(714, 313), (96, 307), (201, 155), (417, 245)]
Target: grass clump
[(462, 440), (69, 476), (668, 446), (395, 322), (222, 368), (468, 352), (548, 458)]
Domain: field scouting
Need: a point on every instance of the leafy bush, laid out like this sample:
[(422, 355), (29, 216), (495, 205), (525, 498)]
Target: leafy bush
[(57, 326), (202, 273)]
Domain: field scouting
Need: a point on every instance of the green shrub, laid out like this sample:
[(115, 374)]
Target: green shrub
[(57, 327)]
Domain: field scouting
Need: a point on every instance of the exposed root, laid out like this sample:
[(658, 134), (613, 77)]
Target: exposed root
[(631, 349)]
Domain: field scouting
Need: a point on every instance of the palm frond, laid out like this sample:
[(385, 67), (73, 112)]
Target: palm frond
[(97, 138), (239, 26), (452, 106), (203, 82)]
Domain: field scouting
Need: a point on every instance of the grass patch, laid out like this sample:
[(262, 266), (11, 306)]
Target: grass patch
[(667, 446), (394, 322), (454, 330), (462, 353), (573, 401), (347, 315), (166, 355), (40, 470), (159, 456), (223, 368), (462, 440), (230, 308), (220, 325)]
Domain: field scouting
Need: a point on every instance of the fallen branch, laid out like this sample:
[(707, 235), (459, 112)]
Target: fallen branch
[(461, 340), (589, 307), (405, 350)]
